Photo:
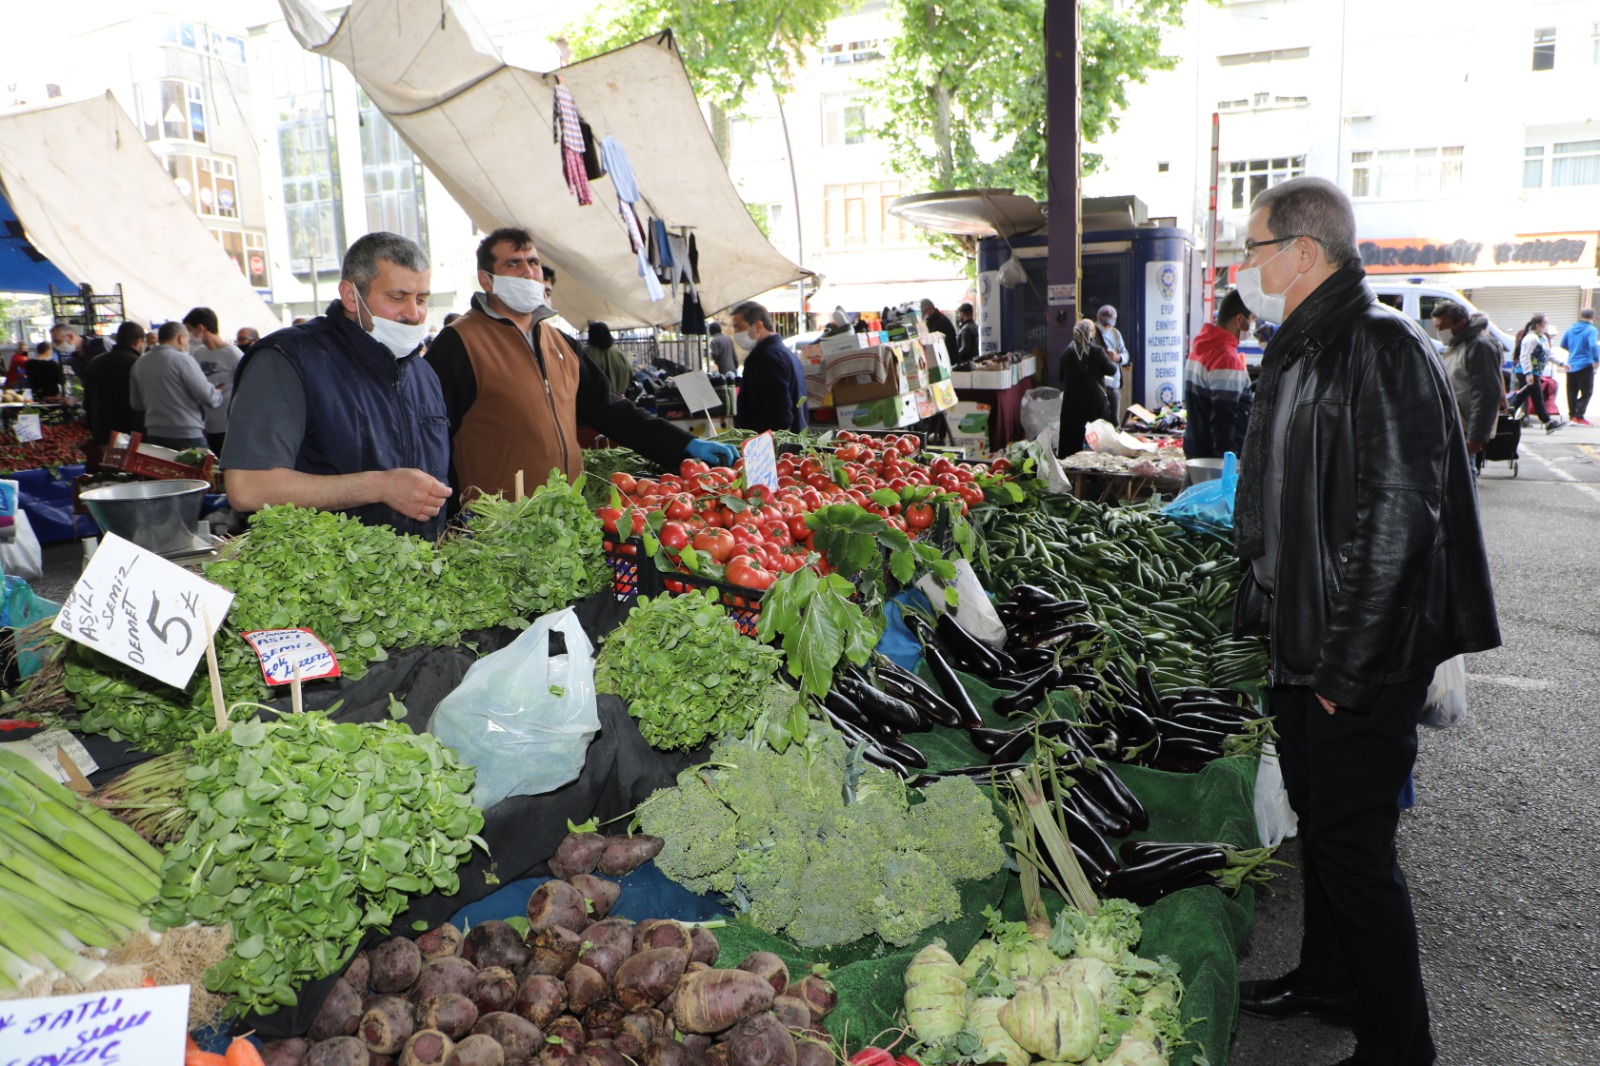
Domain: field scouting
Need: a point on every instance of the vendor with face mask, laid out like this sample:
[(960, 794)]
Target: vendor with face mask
[(516, 390), (772, 393), (341, 413)]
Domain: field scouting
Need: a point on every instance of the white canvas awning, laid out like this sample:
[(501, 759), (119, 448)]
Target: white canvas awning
[(95, 201), (485, 129)]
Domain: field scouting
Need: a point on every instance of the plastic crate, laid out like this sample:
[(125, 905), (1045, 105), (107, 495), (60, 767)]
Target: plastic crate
[(635, 574), (632, 573), (129, 460)]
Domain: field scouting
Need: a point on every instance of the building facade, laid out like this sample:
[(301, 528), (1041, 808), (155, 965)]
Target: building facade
[(1467, 134)]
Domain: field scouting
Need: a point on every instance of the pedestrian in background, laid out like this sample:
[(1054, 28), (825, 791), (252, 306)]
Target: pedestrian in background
[(1357, 521), (108, 386), (168, 386), (721, 349), (1533, 366), (602, 348), (1117, 351), (17, 369), (1583, 352), (1472, 361), (1084, 366), (1216, 384), (218, 359), (45, 376)]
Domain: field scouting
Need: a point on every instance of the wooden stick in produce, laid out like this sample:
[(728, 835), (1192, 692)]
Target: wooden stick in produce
[(220, 708)]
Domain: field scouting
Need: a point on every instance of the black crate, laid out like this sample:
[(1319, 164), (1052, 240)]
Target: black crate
[(634, 574)]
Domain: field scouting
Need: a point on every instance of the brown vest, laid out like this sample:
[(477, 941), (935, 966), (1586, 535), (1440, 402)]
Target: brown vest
[(522, 418)]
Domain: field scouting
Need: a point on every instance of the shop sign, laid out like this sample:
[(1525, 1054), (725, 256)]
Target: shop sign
[(1164, 294), (989, 312), (1410, 255)]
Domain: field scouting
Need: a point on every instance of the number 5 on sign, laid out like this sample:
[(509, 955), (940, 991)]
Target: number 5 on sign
[(140, 609)]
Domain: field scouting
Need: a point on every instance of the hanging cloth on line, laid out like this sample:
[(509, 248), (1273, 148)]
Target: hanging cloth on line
[(569, 135), (617, 164)]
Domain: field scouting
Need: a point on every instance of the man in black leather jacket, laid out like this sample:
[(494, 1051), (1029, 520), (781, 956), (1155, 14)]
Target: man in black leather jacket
[(1364, 565)]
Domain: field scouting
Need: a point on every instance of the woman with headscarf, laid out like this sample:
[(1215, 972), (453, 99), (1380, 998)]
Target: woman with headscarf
[(1084, 368), (840, 323), (609, 358)]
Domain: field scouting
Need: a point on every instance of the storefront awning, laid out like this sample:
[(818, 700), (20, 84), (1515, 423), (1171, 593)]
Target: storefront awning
[(946, 295), (94, 201), (485, 129)]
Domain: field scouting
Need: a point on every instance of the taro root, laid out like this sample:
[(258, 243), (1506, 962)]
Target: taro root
[(479, 1049), (395, 965), (649, 977), (557, 903), (663, 933), (600, 894), (818, 994), (623, 855), (358, 975), (518, 1037), (604, 959), (340, 1051), (427, 1047), (452, 1014), (768, 966), (792, 1011), (340, 1014), (387, 1024), (611, 932), (578, 854), (439, 942), (291, 1052), (706, 948), (443, 976), (494, 943), (761, 1041), (493, 989), (553, 951), (540, 999), (585, 987), (714, 1000)]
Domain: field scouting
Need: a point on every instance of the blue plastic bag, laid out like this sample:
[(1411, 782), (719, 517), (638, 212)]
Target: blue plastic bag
[(19, 609), (897, 643), (1208, 506)]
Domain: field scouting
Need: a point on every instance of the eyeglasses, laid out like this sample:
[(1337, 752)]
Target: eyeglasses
[(1250, 246)]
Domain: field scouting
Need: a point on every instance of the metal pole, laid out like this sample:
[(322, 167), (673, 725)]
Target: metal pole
[(1211, 242), (1065, 137)]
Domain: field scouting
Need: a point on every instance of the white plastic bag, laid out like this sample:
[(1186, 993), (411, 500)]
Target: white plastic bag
[(522, 716), (1101, 436), (1013, 273), (973, 611), (1275, 819), (1447, 695), (1041, 415), (22, 556)]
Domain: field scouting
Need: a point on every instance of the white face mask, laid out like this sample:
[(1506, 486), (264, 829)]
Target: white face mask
[(1267, 305), (744, 340), (1446, 336), (399, 338), (522, 295)]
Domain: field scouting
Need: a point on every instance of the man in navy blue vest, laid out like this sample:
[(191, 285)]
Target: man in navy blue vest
[(342, 413)]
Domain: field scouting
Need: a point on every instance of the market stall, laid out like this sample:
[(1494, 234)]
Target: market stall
[(784, 662)]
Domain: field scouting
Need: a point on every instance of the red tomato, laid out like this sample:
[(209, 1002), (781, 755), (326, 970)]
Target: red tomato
[(747, 573), (743, 534), (1000, 466), (717, 544), (811, 499), (625, 482), (679, 507), (941, 465), (919, 516), (971, 494), (908, 446), (609, 517), (671, 483), (948, 482), (644, 486), (690, 467), (776, 531), (674, 536)]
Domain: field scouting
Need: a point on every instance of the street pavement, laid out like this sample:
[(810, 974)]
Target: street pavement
[(1502, 851)]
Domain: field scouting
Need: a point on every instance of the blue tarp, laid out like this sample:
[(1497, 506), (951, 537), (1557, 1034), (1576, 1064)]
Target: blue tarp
[(22, 268)]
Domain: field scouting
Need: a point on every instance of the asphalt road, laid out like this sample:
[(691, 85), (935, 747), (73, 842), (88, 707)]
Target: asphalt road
[(1502, 850)]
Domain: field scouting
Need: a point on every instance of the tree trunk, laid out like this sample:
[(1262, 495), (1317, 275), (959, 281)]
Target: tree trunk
[(719, 132), (944, 151)]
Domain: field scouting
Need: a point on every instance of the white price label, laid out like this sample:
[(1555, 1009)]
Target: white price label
[(139, 609), (281, 650), (135, 1025), (28, 429), (695, 388), (761, 462), (41, 750)]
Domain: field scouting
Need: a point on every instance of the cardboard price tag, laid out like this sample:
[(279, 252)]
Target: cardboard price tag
[(281, 650), (42, 749), (137, 1025), (761, 461), (141, 610), (697, 392), (28, 429)]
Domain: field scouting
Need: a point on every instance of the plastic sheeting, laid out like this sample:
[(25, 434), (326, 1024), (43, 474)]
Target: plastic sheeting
[(484, 128), (96, 203)]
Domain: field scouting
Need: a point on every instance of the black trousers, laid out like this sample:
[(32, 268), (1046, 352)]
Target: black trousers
[(1532, 392), (1580, 387), (1343, 773)]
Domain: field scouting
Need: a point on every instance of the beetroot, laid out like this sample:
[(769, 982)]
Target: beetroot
[(428, 1047), (706, 947), (818, 994), (623, 855), (761, 1041), (627, 1045), (554, 950), (768, 966), (387, 1024), (714, 1000), (395, 965), (717, 1055), (358, 975), (598, 1054), (557, 903), (443, 976), (662, 933), (493, 989), (808, 1052), (340, 1014), (439, 942), (792, 1011), (452, 1014), (649, 977), (604, 1020), (479, 1049), (642, 1027), (518, 1037), (291, 1052), (604, 959), (494, 943), (664, 1051), (578, 854), (340, 1051), (540, 999), (585, 987), (612, 932), (564, 1039), (600, 894)]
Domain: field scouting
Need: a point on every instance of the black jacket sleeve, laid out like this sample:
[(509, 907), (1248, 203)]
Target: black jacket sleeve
[(448, 357), (623, 421)]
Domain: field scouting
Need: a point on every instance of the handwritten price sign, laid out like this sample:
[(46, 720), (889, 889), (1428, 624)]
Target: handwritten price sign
[(142, 610), (761, 462), (281, 650), (139, 1025)]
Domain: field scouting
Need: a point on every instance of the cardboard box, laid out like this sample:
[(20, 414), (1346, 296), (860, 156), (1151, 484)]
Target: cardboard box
[(1027, 367), (994, 380), (944, 395), (863, 389), (848, 341), (890, 412), (969, 427)]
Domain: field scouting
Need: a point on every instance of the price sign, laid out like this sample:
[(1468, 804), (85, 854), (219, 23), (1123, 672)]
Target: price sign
[(137, 1025), (139, 609), (281, 650), (28, 429), (761, 462), (695, 388), (41, 750)]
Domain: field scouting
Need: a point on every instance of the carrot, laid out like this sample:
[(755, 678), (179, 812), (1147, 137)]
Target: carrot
[(203, 1058), (242, 1053)]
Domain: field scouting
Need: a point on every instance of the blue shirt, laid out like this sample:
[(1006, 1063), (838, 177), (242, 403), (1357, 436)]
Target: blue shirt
[(1582, 349)]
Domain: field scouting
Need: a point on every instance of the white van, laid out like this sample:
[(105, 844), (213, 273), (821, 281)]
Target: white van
[(1418, 300)]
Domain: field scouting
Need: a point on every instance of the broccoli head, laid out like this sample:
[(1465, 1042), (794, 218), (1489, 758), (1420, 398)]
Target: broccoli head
[(955, 825), (700, 834), (916, 894)]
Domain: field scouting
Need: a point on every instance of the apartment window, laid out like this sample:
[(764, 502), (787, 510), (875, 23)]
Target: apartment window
[(310, 194), (1238, 59), (839, 52), (208, 183), (1406, 173), (255, 251), (844, 119), (232, 242), (1575, 163), (856, 215), (1544, 49), (1248, 178), (172, 110), (392, 177), (1232, 105), (1162, 168), (201, 38), (1533, 167)]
